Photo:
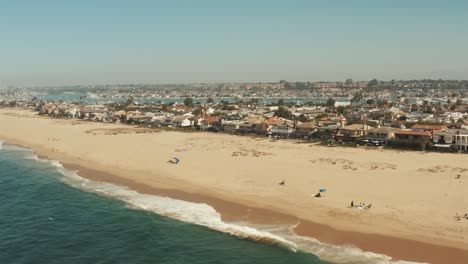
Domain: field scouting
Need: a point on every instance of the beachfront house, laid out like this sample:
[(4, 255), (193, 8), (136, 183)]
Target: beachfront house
[(71, 112), (90, 113), (305, 130), (260, 128), (428, 128), (461, 141), (207, 122), (326, 132), (282, 130), (352, 133), (381, 135), (409, 136), (444, 138), (181, 121), (246, 128), (231, 127), (138, 119)]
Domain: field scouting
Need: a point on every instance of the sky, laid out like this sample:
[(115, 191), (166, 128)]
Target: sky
[(53, 43)]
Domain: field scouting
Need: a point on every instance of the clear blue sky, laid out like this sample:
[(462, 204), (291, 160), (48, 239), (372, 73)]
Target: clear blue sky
[(95, 42)]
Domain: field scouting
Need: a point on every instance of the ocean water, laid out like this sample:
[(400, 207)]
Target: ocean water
[(51, 215), (46, 220)]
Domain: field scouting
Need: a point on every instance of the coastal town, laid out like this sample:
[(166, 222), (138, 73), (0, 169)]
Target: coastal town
[(234, 132), (430, 115)]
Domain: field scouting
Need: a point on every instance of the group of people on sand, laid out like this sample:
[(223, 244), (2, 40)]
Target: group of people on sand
[(458, 217), (361, 205)]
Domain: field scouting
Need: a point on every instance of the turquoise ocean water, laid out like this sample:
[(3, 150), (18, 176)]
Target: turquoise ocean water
[(51, 215)]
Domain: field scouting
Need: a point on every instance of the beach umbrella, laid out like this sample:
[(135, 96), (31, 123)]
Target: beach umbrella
[(177, 160), (323, 190)]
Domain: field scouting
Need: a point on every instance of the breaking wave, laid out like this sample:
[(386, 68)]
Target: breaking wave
[(205, 215)]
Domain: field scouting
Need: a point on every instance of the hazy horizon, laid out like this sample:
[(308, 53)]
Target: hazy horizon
[(53, 43)]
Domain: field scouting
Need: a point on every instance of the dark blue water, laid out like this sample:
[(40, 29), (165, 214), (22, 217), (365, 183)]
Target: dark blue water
[(44, 220)]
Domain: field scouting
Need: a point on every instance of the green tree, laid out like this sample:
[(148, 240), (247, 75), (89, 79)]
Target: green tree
[(349, 81), (283, 112), (340, 109), (373, 82), (357, 97), (197, 111), (303, 118), (370, 101), (210, 100), (331, 102), (381, 103), (188, 102), (321, 116)]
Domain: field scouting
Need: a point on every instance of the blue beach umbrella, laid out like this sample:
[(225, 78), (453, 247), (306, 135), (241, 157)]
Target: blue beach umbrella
[(323, 190)]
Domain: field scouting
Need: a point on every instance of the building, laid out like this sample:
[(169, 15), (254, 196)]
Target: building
[(409, 136), (381, 135), (428, 128), (326, 132), (304, 130), (444, 137), (282, 130), (181, 121), (231, 127), (352, 133), (260, 128), (461, 142), (246, 128), (207, 122)]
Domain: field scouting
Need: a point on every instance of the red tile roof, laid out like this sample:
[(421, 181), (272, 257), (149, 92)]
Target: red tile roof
[(271, 121), (413, 133), (211, 119), (428, 127)]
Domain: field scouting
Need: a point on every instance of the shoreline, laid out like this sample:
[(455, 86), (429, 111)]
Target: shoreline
[(398, 249), (186, 182)]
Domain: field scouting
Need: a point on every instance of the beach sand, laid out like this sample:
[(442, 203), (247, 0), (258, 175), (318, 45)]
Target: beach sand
[(414, 195)]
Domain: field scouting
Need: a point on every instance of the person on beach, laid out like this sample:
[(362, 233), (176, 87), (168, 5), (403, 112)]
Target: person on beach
[(318, 195), (282, 183), (352, 204)]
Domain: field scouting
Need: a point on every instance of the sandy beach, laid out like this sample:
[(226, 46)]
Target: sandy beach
[(414, 195)]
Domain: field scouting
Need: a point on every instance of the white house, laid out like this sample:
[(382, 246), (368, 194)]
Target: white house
[(461, 141), (181, 121), (282, 130)]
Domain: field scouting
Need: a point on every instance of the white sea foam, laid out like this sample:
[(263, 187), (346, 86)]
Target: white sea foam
[(205, 215), (13, 147), (197, 213)]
